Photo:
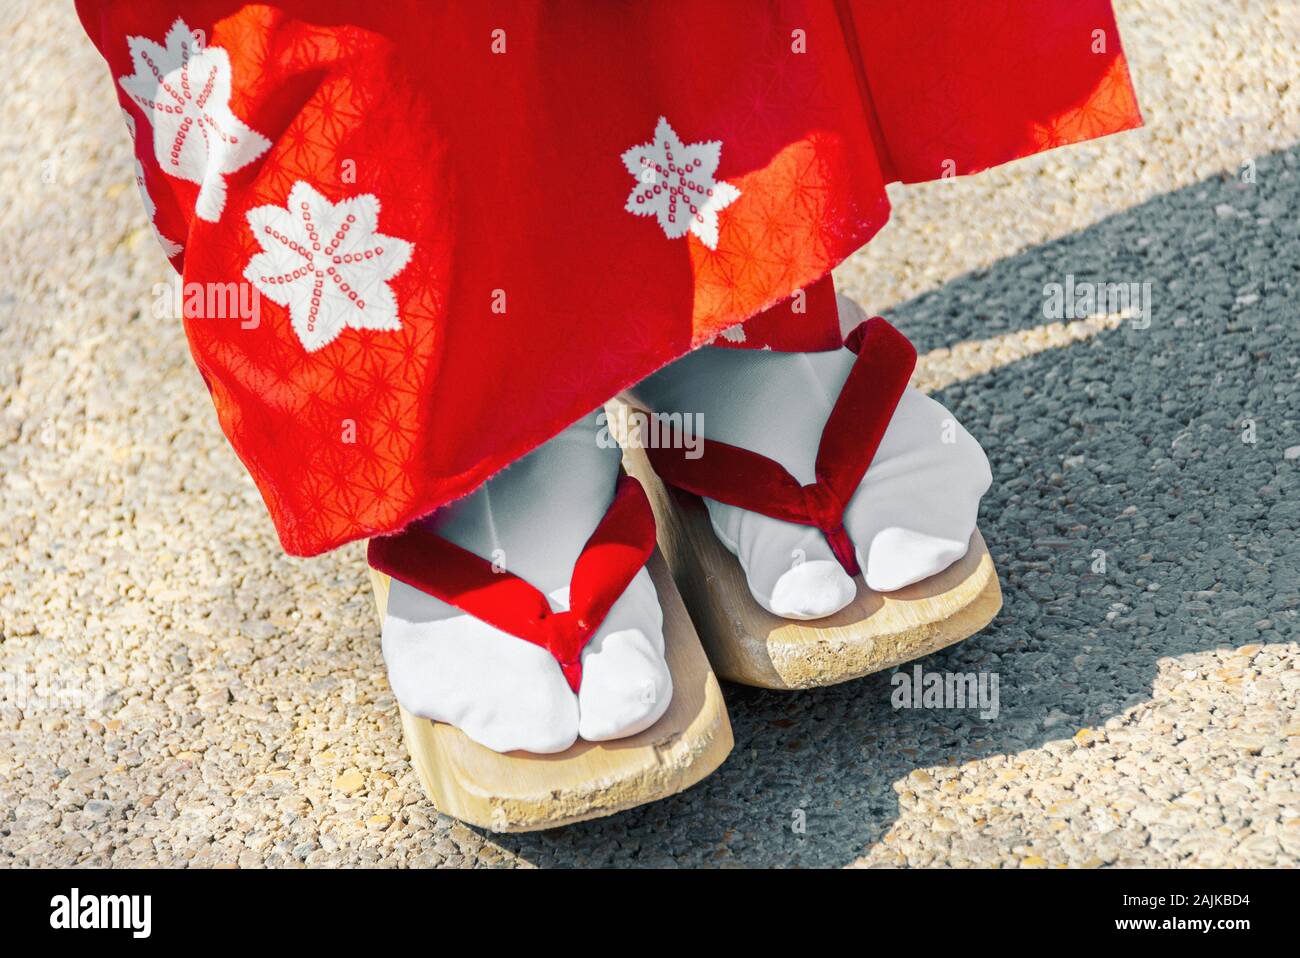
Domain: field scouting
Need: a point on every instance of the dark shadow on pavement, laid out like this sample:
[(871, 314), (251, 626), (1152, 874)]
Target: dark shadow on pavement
[(1130, 443)]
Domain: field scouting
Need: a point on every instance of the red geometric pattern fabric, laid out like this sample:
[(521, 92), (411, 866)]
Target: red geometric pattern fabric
[(501, 146)]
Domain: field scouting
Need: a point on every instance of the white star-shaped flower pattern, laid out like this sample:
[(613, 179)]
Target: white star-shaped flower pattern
[(327, 263), (184, 87), (675, 183), (170, 248)]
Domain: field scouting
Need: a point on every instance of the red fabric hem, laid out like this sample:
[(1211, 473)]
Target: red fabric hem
[(466, 482), (376, 110)]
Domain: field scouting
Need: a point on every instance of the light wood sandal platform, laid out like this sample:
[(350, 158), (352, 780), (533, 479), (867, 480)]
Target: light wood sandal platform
[(521, 792)]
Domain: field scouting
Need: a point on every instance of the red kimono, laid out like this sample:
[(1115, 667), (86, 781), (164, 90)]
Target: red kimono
[(461, 226)]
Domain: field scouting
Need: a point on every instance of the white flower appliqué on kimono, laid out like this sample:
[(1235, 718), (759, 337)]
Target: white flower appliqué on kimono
[(184, 88), (170, 248), (327, 263), (675, 183)]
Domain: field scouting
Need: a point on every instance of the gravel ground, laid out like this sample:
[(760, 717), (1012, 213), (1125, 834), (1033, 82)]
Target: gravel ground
[(177, 691)]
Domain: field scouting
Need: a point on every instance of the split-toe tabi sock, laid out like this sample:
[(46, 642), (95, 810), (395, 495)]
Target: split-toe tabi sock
[(533, 519), (912, 515)]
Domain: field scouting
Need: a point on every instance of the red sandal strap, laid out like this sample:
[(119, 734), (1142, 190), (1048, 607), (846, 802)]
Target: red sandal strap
[(614, 554), (749, 480)]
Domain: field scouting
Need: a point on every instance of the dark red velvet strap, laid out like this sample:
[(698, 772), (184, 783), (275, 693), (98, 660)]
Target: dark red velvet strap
[(849, 442), (616, 551)]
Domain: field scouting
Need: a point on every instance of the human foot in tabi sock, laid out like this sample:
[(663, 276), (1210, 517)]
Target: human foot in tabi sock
[(823, 527)]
